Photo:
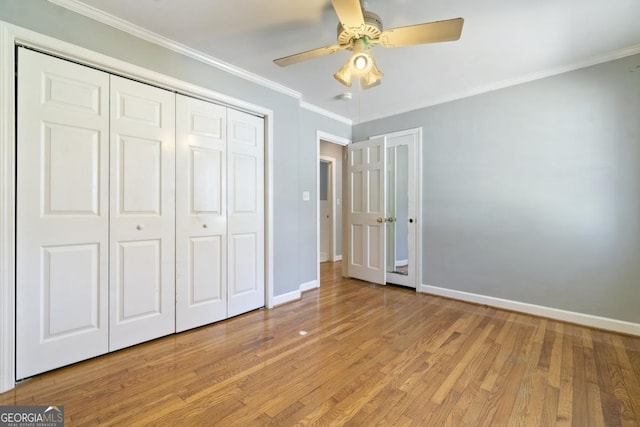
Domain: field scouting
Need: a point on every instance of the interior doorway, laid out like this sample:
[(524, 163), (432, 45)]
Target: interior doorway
[(331, 153), (326, 205)]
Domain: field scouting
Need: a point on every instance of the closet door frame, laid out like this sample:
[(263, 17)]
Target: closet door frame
[(12, 36)]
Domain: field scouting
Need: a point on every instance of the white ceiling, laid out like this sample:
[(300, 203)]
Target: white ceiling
[(502, 43)]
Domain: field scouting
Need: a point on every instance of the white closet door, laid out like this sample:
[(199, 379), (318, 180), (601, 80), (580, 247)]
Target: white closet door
[(201, 213), (142, 224), (245, 151), (366, 210), (62, 213)]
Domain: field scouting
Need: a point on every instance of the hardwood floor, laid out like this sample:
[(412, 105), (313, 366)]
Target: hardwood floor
[(372, 355)]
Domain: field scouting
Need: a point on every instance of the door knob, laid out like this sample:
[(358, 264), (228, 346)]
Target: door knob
[(140, 226), (411, 220), (204, 225), (391, 219), (380, 219)]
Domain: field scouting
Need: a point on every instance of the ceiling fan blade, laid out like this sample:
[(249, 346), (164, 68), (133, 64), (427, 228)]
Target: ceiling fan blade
[(349, 13), (430, 32), (309, 54)]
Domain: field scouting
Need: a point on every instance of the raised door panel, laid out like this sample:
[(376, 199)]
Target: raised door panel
[(139, 167), (70, 290), (201, 209), (246, 212), (142, 223), (138, 295), (62, 213), (206, 282), (71, 162)]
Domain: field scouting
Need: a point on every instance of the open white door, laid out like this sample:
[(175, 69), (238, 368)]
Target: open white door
[(245, 229), (401, 208), (142, 223), (366, 210), (62, 213)]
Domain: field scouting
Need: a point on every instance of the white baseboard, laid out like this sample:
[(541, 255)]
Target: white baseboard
[(285, 298), (538, 310), (295, 295), (337, 258), (309, 285)]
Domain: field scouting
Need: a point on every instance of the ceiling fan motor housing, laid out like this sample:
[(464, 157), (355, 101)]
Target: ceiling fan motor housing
[(372, 29)]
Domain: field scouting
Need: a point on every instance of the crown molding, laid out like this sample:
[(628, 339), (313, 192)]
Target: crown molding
[(326, 113), (150, 36), (144, 34), (600, 59)]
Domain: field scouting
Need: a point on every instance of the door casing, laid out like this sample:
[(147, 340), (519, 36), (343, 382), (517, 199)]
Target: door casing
[(333, 139)]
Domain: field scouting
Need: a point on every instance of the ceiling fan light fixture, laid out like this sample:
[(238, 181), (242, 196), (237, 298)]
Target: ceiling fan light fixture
[(360, 65), (360, 61), (344, 74), (373, 77), (359, 30)]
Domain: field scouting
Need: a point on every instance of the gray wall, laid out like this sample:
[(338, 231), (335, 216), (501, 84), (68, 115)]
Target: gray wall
[(294, 145), (532, 193), (308, 212)]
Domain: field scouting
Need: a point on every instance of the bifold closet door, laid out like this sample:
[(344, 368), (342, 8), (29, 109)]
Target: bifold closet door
[(201, 213), (245, 216), (142, 222), (62, 213)]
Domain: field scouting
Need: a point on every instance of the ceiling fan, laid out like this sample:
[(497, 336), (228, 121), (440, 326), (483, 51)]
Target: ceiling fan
[(359, 30)]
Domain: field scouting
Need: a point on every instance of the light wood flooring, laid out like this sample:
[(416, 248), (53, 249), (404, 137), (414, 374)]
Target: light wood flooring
[(372, 355)]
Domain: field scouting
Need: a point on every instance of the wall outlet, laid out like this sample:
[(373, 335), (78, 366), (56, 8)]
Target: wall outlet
[(306, 196)]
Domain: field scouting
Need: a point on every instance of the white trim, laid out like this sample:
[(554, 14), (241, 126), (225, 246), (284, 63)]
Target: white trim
[(150, 36), (333, 139), (326, 113), (11, 35), (295, 295), (314, 284), (269, 197), (144, 34), (337, 258), (609, 56), (285, 298), (7, 209), (538, 310), (320, 135)]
